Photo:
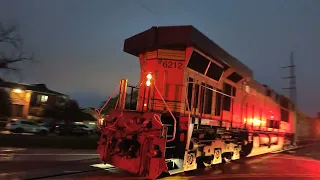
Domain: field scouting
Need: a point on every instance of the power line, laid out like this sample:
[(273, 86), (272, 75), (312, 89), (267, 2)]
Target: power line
[(146, 8)]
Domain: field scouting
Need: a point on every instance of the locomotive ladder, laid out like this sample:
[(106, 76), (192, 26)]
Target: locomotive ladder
[(169, 123), (174, 164)]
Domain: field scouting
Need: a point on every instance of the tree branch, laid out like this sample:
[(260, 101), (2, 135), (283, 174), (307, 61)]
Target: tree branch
[(11, 60), (9, 36)]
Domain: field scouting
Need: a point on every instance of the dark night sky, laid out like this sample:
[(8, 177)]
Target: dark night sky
[(78, 43)]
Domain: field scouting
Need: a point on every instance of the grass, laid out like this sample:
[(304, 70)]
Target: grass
[(60, 142)]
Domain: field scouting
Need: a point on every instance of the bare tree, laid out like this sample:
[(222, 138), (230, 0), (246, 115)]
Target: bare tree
[(11, 48)]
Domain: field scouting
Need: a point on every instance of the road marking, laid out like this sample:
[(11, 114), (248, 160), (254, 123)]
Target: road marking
[(12, 149), (4, 174), (18, 154)]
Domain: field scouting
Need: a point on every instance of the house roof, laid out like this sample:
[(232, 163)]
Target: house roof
[(33, 87), (88, 108), (86, 116), (180, 37)]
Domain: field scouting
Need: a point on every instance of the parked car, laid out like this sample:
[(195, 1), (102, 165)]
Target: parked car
[(26, 126), (86, 128), (72, 129), (51, 124)]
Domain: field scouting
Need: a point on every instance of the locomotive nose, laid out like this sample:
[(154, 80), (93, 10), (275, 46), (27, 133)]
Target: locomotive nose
[(134, 143), (128, 147)]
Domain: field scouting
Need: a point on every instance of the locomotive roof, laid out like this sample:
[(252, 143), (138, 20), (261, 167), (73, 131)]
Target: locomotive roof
[(180, 37), (262, 88)]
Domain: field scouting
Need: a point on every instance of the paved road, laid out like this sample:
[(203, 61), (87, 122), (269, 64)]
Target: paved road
[(295, 164), (22, 163), (32, 134)]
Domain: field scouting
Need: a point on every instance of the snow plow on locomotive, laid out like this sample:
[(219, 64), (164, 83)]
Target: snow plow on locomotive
[(197, 106)]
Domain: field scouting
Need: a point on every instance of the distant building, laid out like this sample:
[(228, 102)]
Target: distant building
[(31, 99)]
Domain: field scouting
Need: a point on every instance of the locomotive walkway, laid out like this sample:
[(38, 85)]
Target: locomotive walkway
[(302, 163)]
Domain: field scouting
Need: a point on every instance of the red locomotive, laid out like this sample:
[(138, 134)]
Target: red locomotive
[(197, 106)]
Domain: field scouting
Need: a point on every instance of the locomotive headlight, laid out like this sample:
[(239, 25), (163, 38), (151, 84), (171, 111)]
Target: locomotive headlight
[(148, 83), (149, 76)]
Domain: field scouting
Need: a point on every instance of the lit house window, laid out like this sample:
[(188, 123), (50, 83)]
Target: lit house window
[(42, 98)]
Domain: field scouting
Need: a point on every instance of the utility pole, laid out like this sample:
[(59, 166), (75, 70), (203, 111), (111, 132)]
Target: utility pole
[(292, 77)]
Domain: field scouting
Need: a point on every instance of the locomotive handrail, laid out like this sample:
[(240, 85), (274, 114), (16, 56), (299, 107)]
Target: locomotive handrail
[(211, 89), (157, 118), (105, 104), (174, 119), (189, 117)]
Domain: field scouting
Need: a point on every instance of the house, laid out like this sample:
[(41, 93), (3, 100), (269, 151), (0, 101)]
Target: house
[(88, 117), (31, 99), (91, 111)]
